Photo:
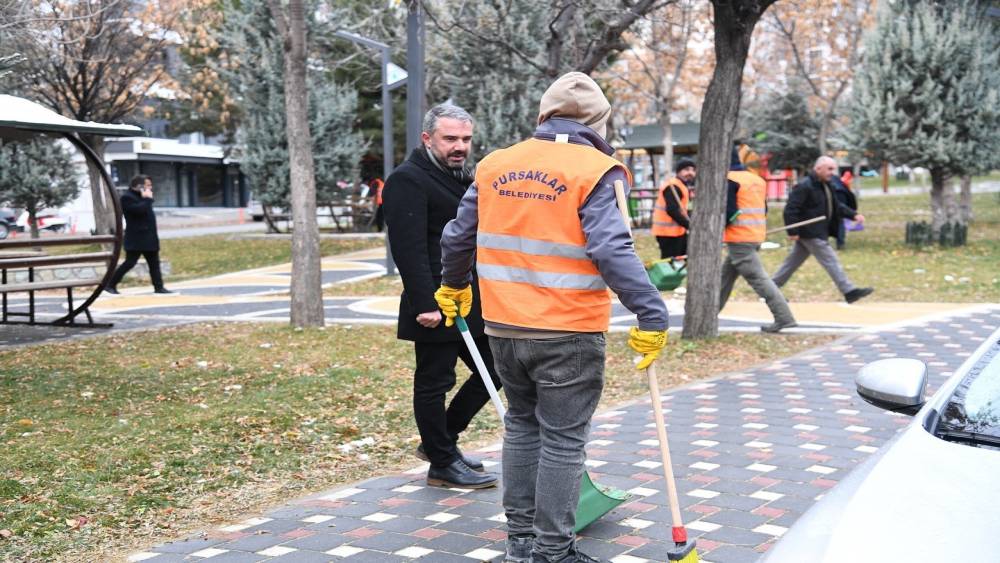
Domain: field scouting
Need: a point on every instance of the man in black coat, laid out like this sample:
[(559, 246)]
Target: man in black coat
[(814, 197), (140, 234), (419, 199)]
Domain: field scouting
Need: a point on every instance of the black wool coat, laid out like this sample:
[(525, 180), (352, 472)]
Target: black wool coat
[(808, 200), (140, 223), (418, 200)]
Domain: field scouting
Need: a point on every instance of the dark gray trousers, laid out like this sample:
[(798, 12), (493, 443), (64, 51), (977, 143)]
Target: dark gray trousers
[(825, 255), (552, 387), (742, 261)]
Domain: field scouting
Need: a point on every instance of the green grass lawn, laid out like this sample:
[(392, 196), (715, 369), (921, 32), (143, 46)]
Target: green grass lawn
[(117, 443), (879, 257)]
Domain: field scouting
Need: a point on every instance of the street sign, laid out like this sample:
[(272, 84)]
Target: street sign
[(394, 75)]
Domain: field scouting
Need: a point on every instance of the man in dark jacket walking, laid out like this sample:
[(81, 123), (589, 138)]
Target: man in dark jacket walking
[(814, 197), (419, 199), (140, 234)]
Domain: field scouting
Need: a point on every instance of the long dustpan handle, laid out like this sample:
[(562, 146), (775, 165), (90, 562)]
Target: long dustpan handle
[(463, 328), (678, 532)]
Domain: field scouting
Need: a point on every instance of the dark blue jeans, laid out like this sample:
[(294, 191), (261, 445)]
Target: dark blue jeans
[(552, 387)]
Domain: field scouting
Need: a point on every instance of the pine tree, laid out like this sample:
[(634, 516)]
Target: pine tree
[(256, 78), (928, 94), (36, 174), (783, 126)]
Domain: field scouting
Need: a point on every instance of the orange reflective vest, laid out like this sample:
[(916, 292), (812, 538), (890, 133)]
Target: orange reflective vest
[(378, 185), (531, 254), (663, 224), (751, 222)]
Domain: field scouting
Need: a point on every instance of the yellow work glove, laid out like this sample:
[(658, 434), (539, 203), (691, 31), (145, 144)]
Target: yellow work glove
[(648, 343), (453, 302)]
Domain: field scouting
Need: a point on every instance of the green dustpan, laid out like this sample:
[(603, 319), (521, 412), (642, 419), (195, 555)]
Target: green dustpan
[(595, 500)]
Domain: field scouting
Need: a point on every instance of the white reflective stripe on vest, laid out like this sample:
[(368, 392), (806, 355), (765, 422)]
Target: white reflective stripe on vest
[(530, 246), (665, 224), (559, 280), (749, 222), (750, 210)]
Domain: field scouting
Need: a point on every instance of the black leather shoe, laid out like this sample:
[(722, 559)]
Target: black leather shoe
[(459, 475), (112, 290), (857, 293), (472, 462), (162, 290)]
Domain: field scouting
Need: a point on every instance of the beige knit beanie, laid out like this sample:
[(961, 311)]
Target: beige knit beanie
[(577, 97)]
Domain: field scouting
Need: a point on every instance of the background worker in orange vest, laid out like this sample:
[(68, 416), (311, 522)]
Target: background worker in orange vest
[(746, 225), (670, 214), (542, 226)]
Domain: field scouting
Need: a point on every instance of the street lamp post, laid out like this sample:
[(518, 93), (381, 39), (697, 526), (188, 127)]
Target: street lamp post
[(387, 140)]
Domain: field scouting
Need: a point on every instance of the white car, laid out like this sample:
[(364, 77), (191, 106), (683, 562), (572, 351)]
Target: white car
[(932, 493)]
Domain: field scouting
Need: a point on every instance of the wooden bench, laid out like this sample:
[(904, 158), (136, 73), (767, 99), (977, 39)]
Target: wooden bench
[(30, 260)]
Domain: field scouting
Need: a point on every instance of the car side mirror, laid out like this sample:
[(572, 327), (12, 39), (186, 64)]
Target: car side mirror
[(895, 384)]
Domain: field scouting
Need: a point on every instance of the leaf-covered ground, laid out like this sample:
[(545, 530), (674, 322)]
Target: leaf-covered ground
[(111, 444)]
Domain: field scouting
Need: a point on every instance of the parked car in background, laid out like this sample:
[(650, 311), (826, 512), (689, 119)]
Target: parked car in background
[(48, 220), (8, 222), (932, 493)]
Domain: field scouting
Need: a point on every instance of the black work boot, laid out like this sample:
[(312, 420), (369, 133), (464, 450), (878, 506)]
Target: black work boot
[(574, 556), (472, 462), (857, 293), (519, 548), (112, 290), (459, 475)]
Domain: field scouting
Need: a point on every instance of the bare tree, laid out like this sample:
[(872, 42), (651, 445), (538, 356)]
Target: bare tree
[(653, 68), (823, 38), (306, 289), (734, 23), (93, 60)]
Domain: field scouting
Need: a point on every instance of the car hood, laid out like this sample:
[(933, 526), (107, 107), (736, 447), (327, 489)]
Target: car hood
[(919, 498)]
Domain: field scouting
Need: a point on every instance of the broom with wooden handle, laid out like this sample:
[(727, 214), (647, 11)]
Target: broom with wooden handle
[(683, 550)]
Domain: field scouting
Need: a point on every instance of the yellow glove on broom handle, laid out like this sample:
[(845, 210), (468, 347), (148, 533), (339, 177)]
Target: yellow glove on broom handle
[(454, 302)]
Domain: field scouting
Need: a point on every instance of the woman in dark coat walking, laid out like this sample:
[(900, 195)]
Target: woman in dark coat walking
[(140, 234)]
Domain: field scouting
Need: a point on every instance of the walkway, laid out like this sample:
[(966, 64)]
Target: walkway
[(752, 451), (262, 295)]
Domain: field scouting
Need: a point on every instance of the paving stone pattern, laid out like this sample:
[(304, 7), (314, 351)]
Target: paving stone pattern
[(752, 451)]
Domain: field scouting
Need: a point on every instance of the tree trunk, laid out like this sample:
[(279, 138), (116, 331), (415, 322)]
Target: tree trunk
[(104, 218), (824, 131), (718, 123), (33, 222), (306, 292), (965, 200), (668, 143), (939, 199)]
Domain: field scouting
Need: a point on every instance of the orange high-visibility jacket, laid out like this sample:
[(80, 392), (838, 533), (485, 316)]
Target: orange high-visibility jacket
[(531, 249), (663, 224), (751, 223)]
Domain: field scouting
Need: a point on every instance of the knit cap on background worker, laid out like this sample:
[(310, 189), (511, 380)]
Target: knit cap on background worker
[(542, 226)]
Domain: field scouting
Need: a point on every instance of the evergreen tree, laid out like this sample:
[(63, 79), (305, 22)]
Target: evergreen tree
[(496, 59), (36, 174), (928, 94), (782, 126), (256, 78)]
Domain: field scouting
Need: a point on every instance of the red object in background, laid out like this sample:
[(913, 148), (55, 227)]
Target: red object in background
[(847, 178), (777, 184)]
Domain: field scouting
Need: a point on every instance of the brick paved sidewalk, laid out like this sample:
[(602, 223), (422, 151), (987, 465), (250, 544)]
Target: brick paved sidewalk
[(752, 451)]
